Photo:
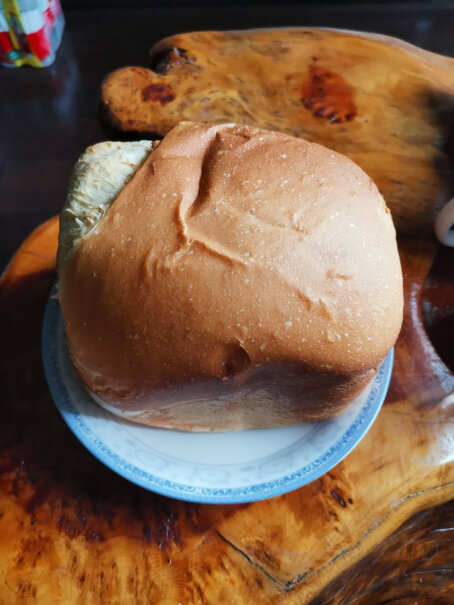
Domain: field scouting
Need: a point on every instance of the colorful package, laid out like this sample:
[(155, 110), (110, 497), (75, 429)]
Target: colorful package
[(30, 32)]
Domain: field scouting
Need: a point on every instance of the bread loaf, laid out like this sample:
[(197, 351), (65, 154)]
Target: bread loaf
[(227, 278)]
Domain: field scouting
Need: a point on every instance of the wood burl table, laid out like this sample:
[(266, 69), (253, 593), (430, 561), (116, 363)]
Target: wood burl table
[(378, 528)]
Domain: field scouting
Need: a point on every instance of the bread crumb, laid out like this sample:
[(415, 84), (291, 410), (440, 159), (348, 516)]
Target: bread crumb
[(332, 337)]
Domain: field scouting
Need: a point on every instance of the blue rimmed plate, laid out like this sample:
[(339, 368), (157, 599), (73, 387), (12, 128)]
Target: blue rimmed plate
[(216, 468)]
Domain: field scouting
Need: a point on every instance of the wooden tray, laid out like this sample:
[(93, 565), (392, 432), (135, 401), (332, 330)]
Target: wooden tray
[(73, 532)]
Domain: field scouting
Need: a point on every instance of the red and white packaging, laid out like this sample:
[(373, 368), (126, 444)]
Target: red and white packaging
[(30, 32)]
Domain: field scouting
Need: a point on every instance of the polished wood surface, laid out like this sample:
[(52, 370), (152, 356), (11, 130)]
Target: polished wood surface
[(413, 566), (73, 532), (387, 105), (47, 117)]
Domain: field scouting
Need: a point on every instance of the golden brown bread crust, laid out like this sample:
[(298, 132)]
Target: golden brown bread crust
[(242, 278)]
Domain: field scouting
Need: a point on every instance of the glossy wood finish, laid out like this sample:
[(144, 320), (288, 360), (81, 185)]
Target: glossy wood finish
[(387, 105), (73, 532), (413, 566), (47, 117)]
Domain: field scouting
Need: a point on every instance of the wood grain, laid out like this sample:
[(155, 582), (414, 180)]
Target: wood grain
[(74, 532), (414, 565), (386, 104)]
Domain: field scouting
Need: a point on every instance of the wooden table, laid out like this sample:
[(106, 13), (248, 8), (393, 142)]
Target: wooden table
[(48, 117), (56, 493)]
